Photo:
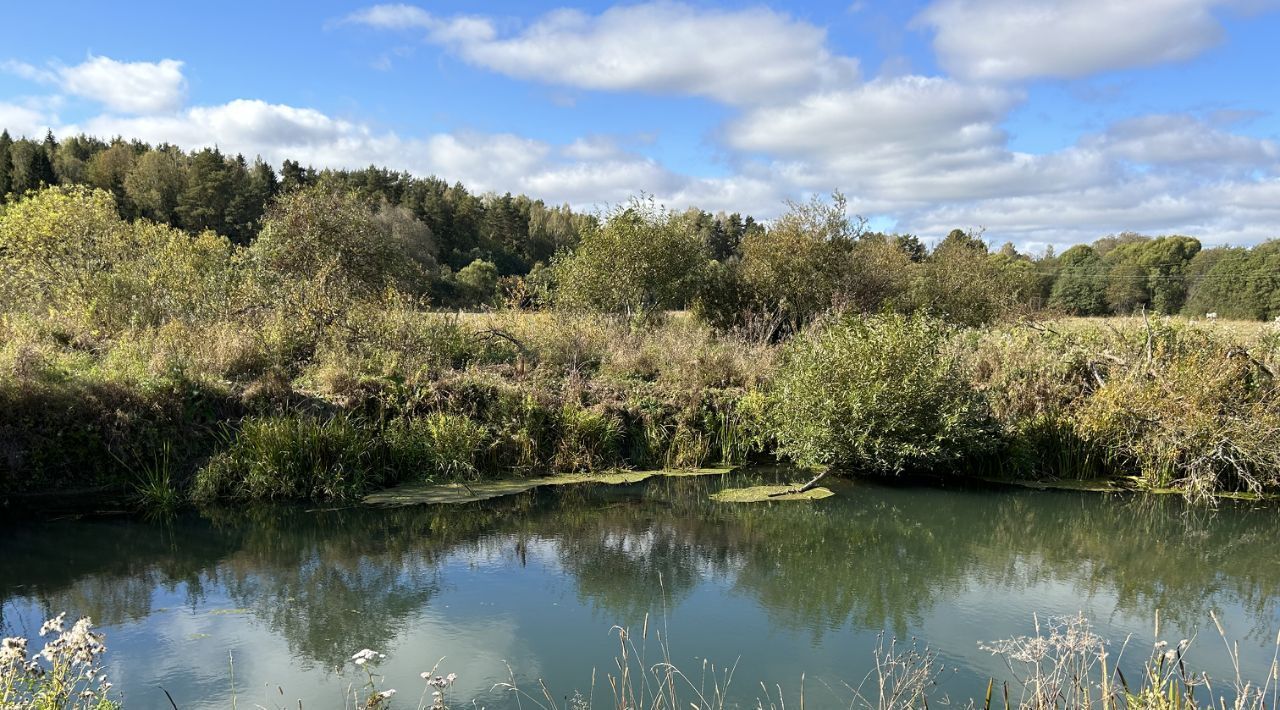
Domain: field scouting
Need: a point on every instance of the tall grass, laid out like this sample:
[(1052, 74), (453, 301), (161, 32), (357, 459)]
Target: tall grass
[(293, 457), (1063, 665), (384, 392)]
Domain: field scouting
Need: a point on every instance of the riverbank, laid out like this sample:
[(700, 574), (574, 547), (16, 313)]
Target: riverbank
[(390, 394), (141, 360)]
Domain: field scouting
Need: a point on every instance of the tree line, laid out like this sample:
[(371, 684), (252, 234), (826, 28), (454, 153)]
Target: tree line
[(470, 250)]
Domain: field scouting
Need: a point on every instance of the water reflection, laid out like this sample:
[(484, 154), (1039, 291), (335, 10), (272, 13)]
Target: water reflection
[(538, 579)]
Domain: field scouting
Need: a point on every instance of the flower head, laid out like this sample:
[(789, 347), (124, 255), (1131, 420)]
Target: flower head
[(13, 650), (53, 625)]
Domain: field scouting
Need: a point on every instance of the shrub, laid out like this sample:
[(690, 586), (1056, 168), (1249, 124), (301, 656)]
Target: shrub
[(882, 394), (293, 458), (640, 260), (67, 252), (589, 439), (334, 241), (438, 446), (1198, 414)]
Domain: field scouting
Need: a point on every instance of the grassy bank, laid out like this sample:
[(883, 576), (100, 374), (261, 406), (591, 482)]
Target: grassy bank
[(392, 393), (389, 393), (139, 360)]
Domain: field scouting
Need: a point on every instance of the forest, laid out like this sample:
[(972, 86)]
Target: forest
[(474, 250)]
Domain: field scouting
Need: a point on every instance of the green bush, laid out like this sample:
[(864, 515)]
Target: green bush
[(293, 458), (589, 439), (1198, 413), (881, 394), (640, 260), (439, 446)]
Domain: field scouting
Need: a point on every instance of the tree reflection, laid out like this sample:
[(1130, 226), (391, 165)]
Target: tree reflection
[(873, 557)]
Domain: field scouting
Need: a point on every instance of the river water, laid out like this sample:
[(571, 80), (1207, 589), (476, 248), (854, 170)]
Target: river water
[(266, 605)]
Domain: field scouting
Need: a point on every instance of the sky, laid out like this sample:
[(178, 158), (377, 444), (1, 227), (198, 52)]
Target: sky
[(1042, 122)]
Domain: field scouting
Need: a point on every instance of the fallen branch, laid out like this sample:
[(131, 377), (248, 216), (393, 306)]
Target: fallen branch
[(492, 333), (802, 489)]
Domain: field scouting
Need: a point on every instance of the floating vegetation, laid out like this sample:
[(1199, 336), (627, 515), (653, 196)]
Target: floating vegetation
[(766, 494), (453, 493)]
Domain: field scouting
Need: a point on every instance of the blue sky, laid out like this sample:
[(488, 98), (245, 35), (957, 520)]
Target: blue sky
[(1041, 121)]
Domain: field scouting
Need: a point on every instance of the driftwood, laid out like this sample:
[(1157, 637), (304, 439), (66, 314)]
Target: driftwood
[(802, 489)]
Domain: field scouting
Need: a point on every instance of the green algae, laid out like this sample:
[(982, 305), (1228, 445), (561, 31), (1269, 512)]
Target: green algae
[(426, 493), (766, 494)]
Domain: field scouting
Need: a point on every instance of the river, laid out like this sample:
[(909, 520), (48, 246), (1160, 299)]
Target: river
[(266, 604)]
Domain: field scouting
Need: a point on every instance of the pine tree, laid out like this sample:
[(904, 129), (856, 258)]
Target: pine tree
[(32, 168), (293, 176), (207, 195)]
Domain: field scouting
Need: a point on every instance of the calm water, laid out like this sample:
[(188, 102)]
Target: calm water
[(538, 581)]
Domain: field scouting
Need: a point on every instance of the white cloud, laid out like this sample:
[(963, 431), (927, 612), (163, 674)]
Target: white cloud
[(1011, 40), (732, 56), (904, 141), (593, 148), (22, 120), (30, 72), (913, 114), (393, 17), (1183, 140), (132, 87), (129, 87)]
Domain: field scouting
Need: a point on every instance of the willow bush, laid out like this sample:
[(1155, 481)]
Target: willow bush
[(880, 394)]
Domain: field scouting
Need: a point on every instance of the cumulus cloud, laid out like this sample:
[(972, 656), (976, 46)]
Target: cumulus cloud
[(915, 114), (129, 87), (732, 56), (22, 120), (1011, 40), (132, 87), (1181, 140)]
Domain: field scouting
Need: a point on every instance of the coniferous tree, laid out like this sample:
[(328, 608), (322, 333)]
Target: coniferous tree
[(207, 193), (293, 176), (6, 164), (31, 169)]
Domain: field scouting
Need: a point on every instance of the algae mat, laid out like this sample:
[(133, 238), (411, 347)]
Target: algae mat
[(438, 493), (766, 494)]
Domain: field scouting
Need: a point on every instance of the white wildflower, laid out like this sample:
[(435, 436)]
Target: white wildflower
[(386, 693), (54, 624), (1171, 655), (366, 655), (13, 650)]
